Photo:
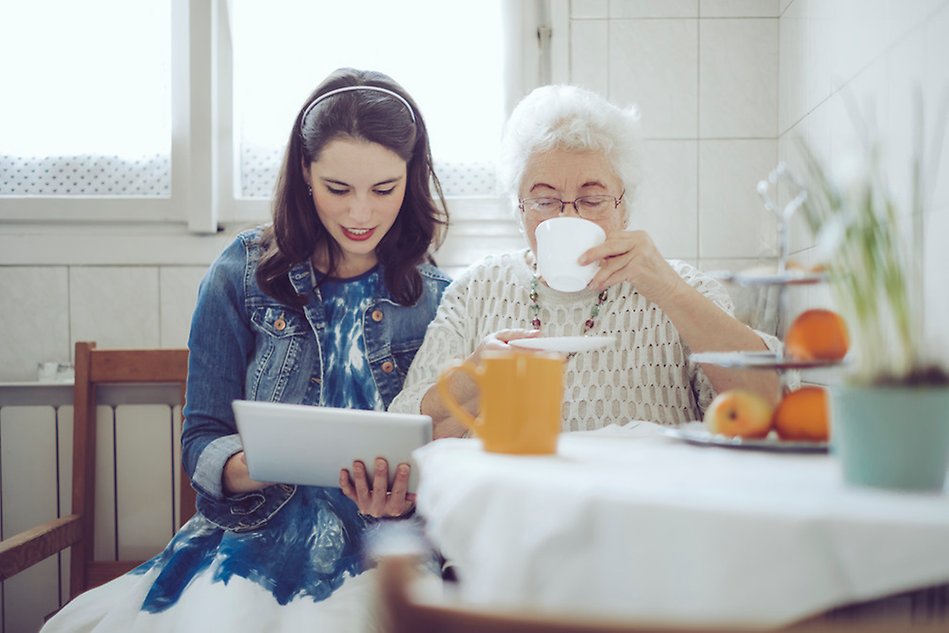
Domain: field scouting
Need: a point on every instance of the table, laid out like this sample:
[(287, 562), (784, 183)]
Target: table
[(627, 522)]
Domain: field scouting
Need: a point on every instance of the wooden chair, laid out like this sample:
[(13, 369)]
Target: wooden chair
[(76, 531), (402, 612)]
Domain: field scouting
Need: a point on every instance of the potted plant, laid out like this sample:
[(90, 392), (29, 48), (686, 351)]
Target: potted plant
[(890, 415)]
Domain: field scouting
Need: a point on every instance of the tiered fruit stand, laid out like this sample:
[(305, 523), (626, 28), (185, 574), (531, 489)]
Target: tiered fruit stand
[(784, 278)]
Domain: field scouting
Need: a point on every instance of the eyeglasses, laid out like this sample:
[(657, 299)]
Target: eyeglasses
[(588, 207)]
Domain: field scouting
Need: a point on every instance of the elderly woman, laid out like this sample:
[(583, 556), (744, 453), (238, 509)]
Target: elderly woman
[(570, 146)]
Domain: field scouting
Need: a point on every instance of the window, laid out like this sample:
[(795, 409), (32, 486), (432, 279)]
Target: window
[(283, 48), (73, 97), (176, 111), (86, 110)]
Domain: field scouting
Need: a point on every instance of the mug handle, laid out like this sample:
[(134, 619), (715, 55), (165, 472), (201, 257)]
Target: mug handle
[(456, 409)]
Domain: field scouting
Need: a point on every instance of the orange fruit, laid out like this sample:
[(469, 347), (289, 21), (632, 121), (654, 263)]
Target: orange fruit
[(803, 414), (739, 413), (817, 334)]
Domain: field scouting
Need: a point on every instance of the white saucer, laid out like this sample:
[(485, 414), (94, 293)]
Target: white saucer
[(564, 344)]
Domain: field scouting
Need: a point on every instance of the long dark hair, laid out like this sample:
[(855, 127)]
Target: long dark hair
[(365, 115)]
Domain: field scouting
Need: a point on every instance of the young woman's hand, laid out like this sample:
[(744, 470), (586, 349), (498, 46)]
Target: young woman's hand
[(236, 478), (370, 491)]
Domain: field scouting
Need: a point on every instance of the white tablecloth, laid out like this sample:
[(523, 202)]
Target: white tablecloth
[(628, 522)]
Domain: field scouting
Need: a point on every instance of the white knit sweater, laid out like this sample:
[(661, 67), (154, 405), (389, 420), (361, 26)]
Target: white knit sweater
[(646, 375)]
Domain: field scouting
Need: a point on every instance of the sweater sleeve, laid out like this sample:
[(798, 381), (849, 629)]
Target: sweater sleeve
[(716, 293), (449, 338)]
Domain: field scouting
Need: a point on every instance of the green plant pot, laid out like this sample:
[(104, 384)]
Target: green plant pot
[(891, 437)]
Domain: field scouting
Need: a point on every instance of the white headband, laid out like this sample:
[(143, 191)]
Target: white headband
[(350, 89)]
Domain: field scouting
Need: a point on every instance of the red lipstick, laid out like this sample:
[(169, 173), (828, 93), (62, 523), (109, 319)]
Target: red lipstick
[(358, 235)]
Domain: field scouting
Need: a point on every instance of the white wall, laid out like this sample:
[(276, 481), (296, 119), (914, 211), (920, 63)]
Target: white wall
[(705, 76), (877, 53), (46, 309)]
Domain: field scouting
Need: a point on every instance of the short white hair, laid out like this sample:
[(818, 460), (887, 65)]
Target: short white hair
[(574, 119)]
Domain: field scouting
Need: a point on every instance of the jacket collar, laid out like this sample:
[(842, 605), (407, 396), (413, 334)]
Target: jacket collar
[(303, 278)]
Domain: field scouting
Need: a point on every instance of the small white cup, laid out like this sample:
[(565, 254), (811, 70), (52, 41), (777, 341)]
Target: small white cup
[(55, 372), (46, 372), (560, 242)]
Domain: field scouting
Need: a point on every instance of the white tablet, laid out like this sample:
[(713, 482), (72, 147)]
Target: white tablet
[(308, 445)]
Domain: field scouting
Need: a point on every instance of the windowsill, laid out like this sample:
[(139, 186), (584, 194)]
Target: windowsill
[(172, 244), (57, 394), (27, 394), (43, 244)]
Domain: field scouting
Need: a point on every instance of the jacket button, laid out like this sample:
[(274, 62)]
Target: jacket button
[(377, 315), (279, 325), (388, 366)]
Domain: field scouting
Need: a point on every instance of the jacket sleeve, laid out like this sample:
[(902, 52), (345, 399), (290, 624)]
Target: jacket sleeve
[(221, 345)]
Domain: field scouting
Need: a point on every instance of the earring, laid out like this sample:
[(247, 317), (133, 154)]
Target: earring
[(309, 190)]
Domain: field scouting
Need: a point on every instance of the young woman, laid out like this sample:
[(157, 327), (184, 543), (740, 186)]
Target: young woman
[(325, 306)]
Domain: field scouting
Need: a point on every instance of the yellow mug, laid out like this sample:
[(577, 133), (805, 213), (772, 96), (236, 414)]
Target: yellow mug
[(520, 395)]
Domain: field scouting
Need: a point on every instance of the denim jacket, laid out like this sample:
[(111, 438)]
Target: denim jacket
[(245, 344)]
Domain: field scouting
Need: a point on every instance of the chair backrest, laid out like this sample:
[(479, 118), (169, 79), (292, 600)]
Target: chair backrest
[(96, 367)]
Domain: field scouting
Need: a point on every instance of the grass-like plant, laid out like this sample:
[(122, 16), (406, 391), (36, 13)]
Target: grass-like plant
[(874, 255)]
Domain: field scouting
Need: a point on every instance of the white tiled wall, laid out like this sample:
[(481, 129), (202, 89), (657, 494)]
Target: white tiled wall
[(674, 231), (738, 87), (876, 54), (34, 319), (705, 77), (46, 309), (654, 63)]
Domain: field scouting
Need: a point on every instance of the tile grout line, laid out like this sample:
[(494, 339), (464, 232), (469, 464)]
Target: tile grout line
[(698, 145)]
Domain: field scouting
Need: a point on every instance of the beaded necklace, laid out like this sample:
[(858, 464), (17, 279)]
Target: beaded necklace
[(535, 308)]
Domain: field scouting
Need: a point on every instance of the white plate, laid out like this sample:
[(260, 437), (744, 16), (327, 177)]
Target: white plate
[(564, 344), (696, 433), (768, 360), (787, 278)]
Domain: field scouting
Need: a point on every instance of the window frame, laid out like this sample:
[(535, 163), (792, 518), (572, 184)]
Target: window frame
[(204, 196)]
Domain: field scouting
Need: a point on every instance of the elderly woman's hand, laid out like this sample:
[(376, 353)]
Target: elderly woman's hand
[(499, 341), (463, 388), (632, 256)]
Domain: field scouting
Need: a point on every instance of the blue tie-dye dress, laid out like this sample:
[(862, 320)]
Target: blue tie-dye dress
[(303, 570)]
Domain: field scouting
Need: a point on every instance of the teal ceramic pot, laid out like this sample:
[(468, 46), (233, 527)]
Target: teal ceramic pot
[(891, 437)]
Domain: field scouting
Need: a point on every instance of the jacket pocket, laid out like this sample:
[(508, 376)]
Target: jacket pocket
[(280, 342), (250, 511), (278, 322)]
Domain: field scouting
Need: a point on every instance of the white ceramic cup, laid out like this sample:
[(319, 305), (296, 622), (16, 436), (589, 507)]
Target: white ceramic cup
[(560, 242)]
